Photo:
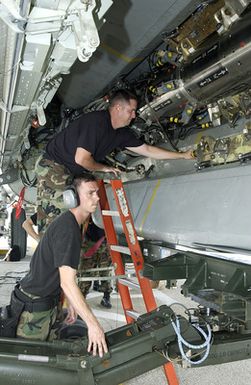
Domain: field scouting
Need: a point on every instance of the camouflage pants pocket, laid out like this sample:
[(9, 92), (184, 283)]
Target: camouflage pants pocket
[(36, 325)]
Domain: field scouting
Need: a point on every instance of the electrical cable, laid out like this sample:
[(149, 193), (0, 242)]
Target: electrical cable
[(158, 122), (182, 341), (25, 178)]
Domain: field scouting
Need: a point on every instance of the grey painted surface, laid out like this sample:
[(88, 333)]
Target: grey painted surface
[(212, 206)]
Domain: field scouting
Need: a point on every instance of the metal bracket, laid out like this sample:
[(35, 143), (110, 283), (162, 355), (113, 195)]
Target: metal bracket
[(15, 108), (230, 13), (9, 176), (9, 13), (40, 113), (86, 34)]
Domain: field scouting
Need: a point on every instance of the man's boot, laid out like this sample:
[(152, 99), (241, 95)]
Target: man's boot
[(105, 302), (96, 286)]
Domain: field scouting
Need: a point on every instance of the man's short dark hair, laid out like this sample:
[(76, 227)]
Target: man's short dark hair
[(121, 96), (84, 177)]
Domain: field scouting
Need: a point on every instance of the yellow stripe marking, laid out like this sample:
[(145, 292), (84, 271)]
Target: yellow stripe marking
[(116, 53), (149, 206), (200, 134)]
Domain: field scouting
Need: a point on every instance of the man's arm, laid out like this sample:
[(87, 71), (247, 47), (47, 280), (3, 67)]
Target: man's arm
[(96, 335), (160, 153), (71, 313), (28, 227), (85, 159)]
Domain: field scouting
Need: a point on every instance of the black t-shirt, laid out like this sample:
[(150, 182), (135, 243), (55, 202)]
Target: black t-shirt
[(60, 246), (94, 133)]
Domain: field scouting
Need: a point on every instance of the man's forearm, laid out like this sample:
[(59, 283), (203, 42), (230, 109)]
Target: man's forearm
[(76, 299), (159, 153), (29, 230), (92, 165), (85, 159)]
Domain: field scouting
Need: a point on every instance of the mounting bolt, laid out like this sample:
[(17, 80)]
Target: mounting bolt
[(83, 364), (93, 41)]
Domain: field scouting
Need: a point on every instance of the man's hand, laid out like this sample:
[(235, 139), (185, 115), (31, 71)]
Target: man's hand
[(188, 154), (85, 159), (113, 170), (96, 338), (71, 315), (74, 296)]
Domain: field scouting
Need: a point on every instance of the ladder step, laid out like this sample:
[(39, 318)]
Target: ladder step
[(130, 269), (94, 278), (97, 269), (121, 249), (133, 314), (129, 283), (110, 213)]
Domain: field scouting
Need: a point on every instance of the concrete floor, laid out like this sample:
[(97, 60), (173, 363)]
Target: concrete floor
[(237, 373)]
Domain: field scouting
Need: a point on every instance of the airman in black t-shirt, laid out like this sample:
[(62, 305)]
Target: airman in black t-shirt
[(83, 145), (53, 267)]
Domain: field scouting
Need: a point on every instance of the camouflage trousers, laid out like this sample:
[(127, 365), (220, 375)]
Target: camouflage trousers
[(51, 181), (100, 258), (38, 325)]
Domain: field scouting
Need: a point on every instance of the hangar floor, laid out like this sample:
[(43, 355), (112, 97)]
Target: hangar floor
[(237, 373)]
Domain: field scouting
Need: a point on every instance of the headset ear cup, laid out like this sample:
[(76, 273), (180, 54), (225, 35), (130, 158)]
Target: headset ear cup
[(77, 197), (71, 198)]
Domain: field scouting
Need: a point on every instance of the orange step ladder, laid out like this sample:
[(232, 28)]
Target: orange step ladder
[(134, 251)]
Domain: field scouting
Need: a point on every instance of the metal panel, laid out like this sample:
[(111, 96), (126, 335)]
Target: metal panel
[(212, 207), (124, 43)]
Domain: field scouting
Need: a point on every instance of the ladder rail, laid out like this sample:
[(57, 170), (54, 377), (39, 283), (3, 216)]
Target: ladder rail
[(132, 241), (136, 255), (115, 255)]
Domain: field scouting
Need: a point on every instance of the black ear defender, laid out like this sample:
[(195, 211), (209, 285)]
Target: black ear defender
[(70, 197)]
